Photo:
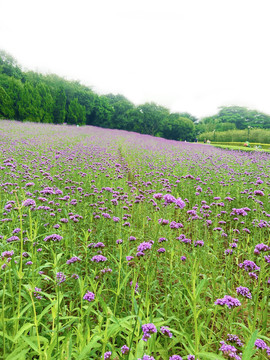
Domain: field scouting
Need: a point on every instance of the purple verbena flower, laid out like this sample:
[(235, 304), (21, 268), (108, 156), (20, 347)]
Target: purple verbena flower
[(89, 296), (229, 301)]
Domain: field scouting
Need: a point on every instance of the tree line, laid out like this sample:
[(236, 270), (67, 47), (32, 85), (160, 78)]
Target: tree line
[(31, 96)]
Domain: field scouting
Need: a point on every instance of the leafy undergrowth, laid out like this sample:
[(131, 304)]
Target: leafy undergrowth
[(116, 245)]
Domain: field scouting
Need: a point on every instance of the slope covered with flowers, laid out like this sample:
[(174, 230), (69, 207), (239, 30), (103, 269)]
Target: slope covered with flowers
[(116, 245)]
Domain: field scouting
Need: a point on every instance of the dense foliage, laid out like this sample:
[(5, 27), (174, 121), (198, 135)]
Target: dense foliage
[(29, 96), (253, 135), (234, 118), (121, 246)]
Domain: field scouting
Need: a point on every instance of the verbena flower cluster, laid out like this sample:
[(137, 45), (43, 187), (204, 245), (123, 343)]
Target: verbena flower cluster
[(130, 245)]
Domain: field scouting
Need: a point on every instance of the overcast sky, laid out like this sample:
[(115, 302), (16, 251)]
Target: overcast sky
[(187, 55)]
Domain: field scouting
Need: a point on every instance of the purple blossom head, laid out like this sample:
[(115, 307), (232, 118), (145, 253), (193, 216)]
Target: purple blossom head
[(169, 199), (99, 258), (124, 349), (89, 296), (53, 237), (229, 301), (180, 203), (166, 331), (148, 329), (29, 202), (60, 278), (107, 355), (260, 344), (144, 246), (244, 291), (73, 260), (229, 350), (249, 265)]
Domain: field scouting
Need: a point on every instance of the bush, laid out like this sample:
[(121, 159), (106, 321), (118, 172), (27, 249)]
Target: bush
[(255, 136)]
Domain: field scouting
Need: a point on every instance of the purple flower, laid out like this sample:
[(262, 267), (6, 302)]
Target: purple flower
[(165, 331), (144, 246), (244, 291), (261, 247), (73, 260), (229, 350), (180, 203), (161, 250), (163, 222), (107, 355), (249, 265), (148, 329), (99, 258), (13, 238), (89, 296), (124, 349), (199, 243), (234, 339), (162, 239), (259, 192), (260, 344), (60, 277), (29, 202), (158, 196), (7, 254), (129, 258), (169, 199), (229, 301), (176, 357), (99, 245), (53, 237)]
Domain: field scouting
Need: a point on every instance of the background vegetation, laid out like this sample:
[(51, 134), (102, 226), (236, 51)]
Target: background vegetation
[(30, 96)]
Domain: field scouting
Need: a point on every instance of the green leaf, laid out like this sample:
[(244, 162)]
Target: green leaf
[(24, 328), (249, 350), (19, 353), (30, 342), (88, 347), (206, 355)]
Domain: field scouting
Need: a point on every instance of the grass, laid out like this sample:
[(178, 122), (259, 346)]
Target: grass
[(82, 214)]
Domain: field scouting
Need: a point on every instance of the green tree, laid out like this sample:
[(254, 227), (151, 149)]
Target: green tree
[(59, 109), (9, 65), (178, 128), (15, 90), (29, 104), (151, 119), (46, 103), (6, 109), (102, 113), (76, 113), (122, 112)]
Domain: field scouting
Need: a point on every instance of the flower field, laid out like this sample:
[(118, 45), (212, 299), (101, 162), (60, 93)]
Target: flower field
[(116, 245)]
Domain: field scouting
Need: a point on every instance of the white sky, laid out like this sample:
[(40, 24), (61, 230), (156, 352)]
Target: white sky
[(187, 55)]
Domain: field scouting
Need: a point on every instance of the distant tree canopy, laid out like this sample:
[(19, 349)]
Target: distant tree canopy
[(234, 117), (30, 96)]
